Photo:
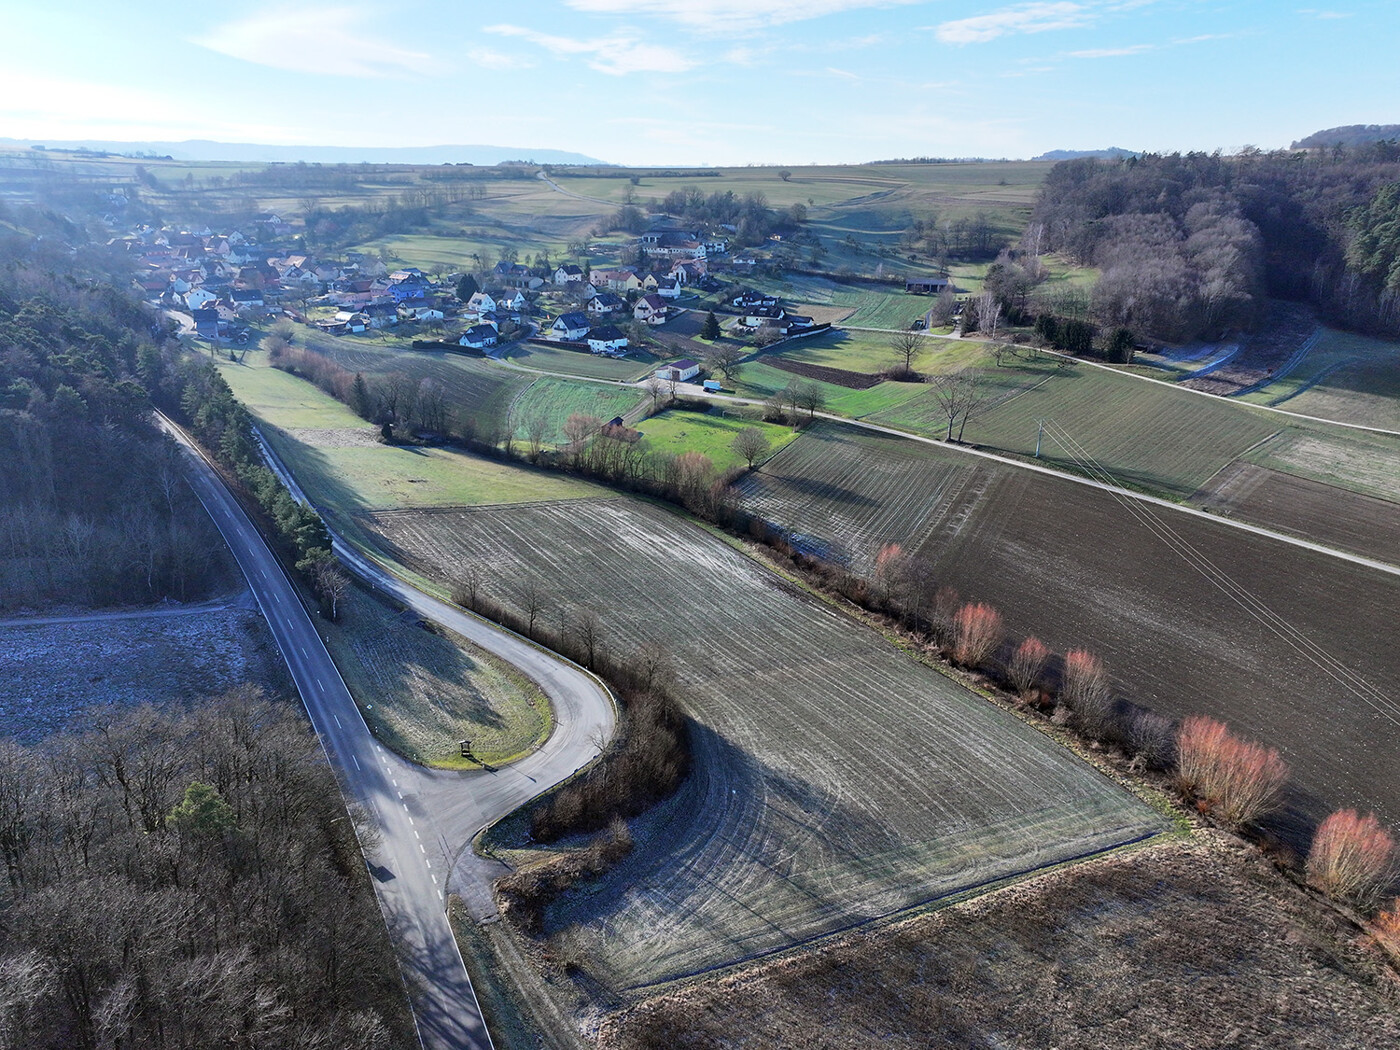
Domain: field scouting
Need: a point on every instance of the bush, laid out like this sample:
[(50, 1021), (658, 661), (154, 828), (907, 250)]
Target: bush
[(1152, 738), (1386, 929), (976, 633), (1027, 666), (1085, 691), (1352, 859), (1239, 780)]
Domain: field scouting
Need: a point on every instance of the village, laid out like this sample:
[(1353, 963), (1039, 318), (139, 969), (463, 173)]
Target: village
[(221, 285)]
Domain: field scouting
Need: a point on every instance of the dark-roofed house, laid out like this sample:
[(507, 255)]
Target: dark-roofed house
[(651, 309), (605, 303), (478, 337), (206, 323), (569, 328), (568, 273), (606, 339)]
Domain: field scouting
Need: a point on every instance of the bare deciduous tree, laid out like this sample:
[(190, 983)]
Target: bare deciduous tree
[(751, 443), (905, 345)]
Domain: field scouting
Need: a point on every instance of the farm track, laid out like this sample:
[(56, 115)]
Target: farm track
[(837, 780)]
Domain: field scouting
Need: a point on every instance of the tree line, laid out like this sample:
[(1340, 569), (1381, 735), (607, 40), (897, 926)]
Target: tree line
[(187, 880)]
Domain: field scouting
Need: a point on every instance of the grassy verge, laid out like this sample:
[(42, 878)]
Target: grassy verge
[(423, 690)]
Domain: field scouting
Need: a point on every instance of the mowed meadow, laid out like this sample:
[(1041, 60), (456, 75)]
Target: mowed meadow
[(1290, 646), (837, 779)]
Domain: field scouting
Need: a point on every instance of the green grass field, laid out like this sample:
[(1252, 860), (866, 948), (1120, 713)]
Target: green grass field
[(554, 400), (1148, 435), (344, 469), (759, 380), (636, 365), (710, 433), (1346, 377), (871, 352), (422, 691)]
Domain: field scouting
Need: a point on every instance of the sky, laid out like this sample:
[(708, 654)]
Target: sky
[(705, 82)]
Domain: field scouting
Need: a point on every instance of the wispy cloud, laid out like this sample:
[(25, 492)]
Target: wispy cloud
[(617, 55), (1313, 12), (1023, 18), (1111, 52), (721, 16), (335, 41), (485, 58)]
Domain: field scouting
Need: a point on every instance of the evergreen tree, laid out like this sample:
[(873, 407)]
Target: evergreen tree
[(467, 287), (711, 330)]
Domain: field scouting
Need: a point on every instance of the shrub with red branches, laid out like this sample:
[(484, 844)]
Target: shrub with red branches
[(1352, 859), (1027, 666), (1385, 929), (1085, 691), (976, 633), (1237, 779)]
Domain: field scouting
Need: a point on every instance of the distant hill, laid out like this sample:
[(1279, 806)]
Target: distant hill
[(1349, 135), (201, 149), (1071, 154)]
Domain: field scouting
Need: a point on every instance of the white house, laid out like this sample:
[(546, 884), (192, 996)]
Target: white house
[(669, 288), (681, 371), (199, 298), (511, 300), (569, 328), (568, 273), (651, 309), (605, 303), (478, 337), (606, 339), (353, 321), (482, 303)]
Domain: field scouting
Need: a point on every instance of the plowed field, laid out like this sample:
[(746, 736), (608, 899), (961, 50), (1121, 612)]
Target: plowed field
[(1070, 564), (836, 779)]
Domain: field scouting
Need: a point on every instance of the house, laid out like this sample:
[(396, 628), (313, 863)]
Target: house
[(606, 339), (354, 321), (651, 309), (512, 275), (244, 298), (616, 280), (206, 323), (650, 282), (569, 328), (669, 288), (673, 244), (748, 297), (381, 315), (199, 298), (927, 285), (482, 303), (755, 316), (606, 303), (716, 247), (511, 300), (428, 312), (689, 272), (568, 273), (404, 285), (680, 372), (478, 337)]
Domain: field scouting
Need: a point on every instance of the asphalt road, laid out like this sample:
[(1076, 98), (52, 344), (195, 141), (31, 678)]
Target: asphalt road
[(424, 818)]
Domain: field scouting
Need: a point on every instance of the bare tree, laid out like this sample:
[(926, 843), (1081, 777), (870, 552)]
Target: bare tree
[(538, 429), (580, 428), (809, 396), (655, 387), (905, 345), (532, 598), (331, 583), (956, 394), (751, 443), (724, 358)]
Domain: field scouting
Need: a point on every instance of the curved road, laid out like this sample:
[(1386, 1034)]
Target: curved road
[(425, 819)]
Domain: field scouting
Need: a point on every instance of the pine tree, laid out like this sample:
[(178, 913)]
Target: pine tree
[(711, 330)]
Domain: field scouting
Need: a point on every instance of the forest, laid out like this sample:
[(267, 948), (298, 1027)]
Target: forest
[(1191, 245), (187, 880)]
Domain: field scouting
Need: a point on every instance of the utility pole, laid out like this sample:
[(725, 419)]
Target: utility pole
[(1040, 423)]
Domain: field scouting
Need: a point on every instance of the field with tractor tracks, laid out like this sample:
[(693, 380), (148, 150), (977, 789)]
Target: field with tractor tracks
[(1291, 646), (837, 779)]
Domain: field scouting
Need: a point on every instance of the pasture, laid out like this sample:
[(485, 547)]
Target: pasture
[(638, 364), (422, 691), (837, 780), (709, 433), (554, 400), (1072, 565)]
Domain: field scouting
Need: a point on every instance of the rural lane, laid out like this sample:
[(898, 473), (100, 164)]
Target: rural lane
[(424, 819)]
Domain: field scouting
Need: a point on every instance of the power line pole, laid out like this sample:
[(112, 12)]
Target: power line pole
[(1040, 423)]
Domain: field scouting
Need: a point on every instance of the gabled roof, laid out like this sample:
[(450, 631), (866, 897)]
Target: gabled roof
[(685, 364), (573, 319), (652, 300), (606, 333)]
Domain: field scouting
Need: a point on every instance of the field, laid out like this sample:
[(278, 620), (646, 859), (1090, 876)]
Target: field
[(1148, 435), (858, 351), (759, 380), (710, 433), (50, 673), (1346, 377), (1187, 943), (422, 691), (1350, 460), (557, 399), (345, 470), (1070, 564), (837, 779), (636, 365)]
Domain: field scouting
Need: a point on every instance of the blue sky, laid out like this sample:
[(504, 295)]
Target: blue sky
[(706, 81)]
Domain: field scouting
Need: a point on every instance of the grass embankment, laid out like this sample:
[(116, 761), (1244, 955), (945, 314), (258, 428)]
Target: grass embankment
[(422, 690), (1346, 377)]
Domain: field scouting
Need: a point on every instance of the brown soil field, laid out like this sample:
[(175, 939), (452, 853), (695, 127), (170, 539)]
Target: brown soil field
[(1070, 564), (1184, 944), (835, 376), (836, 780), (1348, 521)]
